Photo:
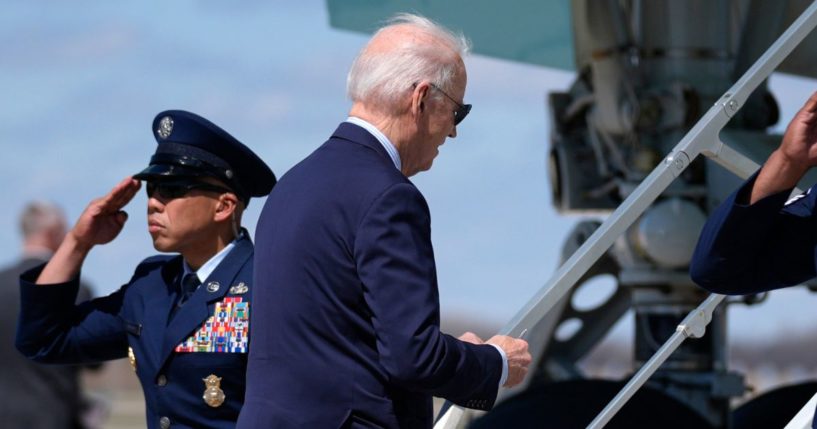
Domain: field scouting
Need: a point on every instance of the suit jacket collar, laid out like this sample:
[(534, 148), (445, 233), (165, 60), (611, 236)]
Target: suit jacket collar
[(197, 309), (356, 134)]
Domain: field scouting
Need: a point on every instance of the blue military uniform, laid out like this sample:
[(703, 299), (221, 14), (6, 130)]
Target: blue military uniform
[(191, 358), (767, 245), (754, 248)]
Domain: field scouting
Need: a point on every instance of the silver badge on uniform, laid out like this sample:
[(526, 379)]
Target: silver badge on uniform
[(165, 127), (239, 289), (212, 286)]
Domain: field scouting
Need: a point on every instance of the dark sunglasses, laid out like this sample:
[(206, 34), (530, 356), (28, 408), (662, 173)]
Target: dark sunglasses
[(462, 109), (178, 189)]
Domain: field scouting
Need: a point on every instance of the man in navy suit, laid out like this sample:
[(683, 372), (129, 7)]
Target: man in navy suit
[(759, 239), (182, 320), (345, 274)]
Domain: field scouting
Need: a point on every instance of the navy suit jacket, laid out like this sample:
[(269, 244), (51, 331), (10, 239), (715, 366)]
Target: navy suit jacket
[(347, 295), (747, 249), (53, 330)]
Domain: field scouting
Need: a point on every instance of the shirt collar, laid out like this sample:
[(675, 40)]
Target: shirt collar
[(208, 267), (384, 141)]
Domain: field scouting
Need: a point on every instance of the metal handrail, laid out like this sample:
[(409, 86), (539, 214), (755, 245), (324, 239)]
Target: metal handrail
[(694, 325), (803, 419)]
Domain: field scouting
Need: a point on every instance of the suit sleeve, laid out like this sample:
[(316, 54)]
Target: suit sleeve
[(52, 329), (395, 262), (755, 248)]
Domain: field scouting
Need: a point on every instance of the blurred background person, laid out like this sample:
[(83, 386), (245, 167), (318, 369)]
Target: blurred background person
[(36, 395)]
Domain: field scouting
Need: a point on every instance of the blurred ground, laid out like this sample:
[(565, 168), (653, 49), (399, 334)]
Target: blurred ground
[(117, 389)]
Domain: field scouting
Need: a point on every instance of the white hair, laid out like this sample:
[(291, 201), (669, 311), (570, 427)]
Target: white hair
[(38, 216), (379, 78)]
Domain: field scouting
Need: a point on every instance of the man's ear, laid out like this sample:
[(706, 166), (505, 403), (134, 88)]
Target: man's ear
[(419, 97), (225, 207)]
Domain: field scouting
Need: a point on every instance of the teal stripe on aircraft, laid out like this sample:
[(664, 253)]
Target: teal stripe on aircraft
[(530, 31)]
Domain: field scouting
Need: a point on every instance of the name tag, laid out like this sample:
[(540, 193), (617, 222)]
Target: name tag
[(226, 331), (133, 328)]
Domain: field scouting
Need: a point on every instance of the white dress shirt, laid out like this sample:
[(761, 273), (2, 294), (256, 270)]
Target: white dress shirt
[(384, 141), (208, 267)]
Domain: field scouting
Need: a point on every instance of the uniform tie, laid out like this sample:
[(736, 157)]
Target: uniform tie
[(190, 283), (187, 286)]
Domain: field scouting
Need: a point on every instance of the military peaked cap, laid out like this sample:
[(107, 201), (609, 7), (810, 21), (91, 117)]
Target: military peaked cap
[(191, 146)]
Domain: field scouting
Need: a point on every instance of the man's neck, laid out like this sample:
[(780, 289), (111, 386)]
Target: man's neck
[(201, 253), (386, 124), (391, 126), (204, 270)]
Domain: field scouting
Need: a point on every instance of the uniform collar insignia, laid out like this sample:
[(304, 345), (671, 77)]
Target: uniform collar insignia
[(239, 289)]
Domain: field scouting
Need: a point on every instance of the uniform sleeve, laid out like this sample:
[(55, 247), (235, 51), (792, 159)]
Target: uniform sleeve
[(754, 248), (395, 262), (52, 329)]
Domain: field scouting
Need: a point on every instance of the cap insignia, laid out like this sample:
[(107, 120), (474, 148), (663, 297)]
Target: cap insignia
[(165, 127)]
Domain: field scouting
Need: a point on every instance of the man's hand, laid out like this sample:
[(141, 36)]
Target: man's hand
[(799, 145), (516, 350), (103, 219), (795, 156), (100, 223)]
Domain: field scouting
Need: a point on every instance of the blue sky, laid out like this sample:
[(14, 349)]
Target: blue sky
[(83, 80)]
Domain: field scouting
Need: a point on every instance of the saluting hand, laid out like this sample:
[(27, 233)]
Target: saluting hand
[(799, 144), (796, 154), (104, 218), (516, 350), (100, 223)]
